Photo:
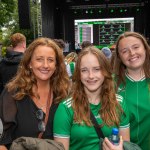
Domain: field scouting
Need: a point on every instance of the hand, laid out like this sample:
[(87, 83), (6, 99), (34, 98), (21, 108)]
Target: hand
[(107, 145), (2, 147)]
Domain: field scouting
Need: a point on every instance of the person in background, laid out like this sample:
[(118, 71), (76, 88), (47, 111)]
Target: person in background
[(85, 44), (9, 64), (70, 61), (132, 75), (69, 58), (107, 52), (33, 95), (93, 90), (60, 43)]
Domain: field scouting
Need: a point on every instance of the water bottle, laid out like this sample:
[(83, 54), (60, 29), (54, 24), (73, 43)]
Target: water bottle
[(115, 136)]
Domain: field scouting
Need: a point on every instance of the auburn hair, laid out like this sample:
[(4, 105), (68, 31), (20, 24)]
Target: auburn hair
[(110, 108), (119, 68), (24, 80)]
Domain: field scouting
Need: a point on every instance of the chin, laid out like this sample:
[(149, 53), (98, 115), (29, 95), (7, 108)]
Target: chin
[(93, 89)]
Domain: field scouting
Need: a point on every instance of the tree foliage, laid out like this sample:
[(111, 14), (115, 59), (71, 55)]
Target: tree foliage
[(9, 22), (6, 11)]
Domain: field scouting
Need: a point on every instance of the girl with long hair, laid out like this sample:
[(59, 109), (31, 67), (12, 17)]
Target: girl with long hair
[(93, 90)]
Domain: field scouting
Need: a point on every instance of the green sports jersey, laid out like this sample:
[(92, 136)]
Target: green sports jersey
[(83, 137), (137, 97)]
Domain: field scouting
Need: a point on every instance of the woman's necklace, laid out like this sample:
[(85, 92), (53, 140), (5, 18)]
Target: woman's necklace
[(41, 106)]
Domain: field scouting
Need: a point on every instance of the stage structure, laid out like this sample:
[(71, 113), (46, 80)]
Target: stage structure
[(56, 18)]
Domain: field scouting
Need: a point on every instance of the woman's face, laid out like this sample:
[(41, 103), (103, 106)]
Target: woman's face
[(43, 63), (91, 73), (132, 52)]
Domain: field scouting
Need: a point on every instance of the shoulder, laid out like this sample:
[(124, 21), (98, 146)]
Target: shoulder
[(65, 107), (6, 94), (119, 98), (121, 101), (67, 102), (7, 101)]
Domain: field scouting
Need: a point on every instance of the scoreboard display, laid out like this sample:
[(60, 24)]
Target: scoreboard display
[(101, 32)]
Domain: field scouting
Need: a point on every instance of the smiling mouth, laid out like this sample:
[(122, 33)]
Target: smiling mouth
[(133, 59), (91, 82), (44, 71)]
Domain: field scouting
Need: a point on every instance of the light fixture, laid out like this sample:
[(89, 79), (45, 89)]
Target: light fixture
[(86, 12), (100, 11), (112, 10)]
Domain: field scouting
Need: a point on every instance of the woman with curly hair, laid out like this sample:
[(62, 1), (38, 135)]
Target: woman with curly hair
[(93, 90), (29, 102)]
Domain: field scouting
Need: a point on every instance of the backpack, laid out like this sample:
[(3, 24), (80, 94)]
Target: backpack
[(29, 143)]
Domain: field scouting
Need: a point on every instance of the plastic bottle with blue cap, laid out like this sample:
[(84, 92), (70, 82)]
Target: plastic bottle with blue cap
[(114, 138)]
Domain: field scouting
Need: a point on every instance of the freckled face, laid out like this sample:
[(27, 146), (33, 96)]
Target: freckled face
[(91, 73), (43, 63)]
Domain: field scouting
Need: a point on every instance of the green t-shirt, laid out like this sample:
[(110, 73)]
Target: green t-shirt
[(137, 97), (83, 137)]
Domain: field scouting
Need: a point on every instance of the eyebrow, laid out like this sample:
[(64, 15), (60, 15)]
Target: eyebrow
[(92, 67), (137, 44)]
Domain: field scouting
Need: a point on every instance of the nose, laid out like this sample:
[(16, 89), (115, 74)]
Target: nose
[(132, 52), (45, 63), (91, 75)]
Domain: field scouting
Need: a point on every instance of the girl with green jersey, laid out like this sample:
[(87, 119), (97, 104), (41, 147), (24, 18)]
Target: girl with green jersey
[(93, 90), (132, 70)]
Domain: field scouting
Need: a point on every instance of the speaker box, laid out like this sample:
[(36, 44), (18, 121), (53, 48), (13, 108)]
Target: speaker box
[(24, 14)]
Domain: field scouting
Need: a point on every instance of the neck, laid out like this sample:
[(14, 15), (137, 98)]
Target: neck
[(19, 49), (93, 97), (136, 74), (42, 87), (43, 94)]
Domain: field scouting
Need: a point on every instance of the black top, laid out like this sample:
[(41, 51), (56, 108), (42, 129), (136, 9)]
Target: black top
[(8, 67), (22, 122)]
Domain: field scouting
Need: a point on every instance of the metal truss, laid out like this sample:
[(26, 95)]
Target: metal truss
[(39, 19), (108, 5)]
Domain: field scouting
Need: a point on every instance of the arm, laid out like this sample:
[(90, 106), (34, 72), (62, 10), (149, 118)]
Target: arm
[(64, 141), (63, 115), (7, 116), (125, 133), (124, 129)]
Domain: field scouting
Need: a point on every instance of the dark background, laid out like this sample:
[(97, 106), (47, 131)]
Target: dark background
[(58, 15)]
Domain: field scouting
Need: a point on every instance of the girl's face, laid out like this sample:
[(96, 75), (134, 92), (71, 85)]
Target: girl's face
[(43, 63), (132, 52), (91, 73)]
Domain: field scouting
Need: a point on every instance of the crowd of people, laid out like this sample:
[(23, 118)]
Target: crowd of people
[(52, 96)]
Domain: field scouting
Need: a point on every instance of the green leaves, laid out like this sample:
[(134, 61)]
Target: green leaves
[(6, 10)]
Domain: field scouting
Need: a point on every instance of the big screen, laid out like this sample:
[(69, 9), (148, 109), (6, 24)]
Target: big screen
[(101, 32)]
